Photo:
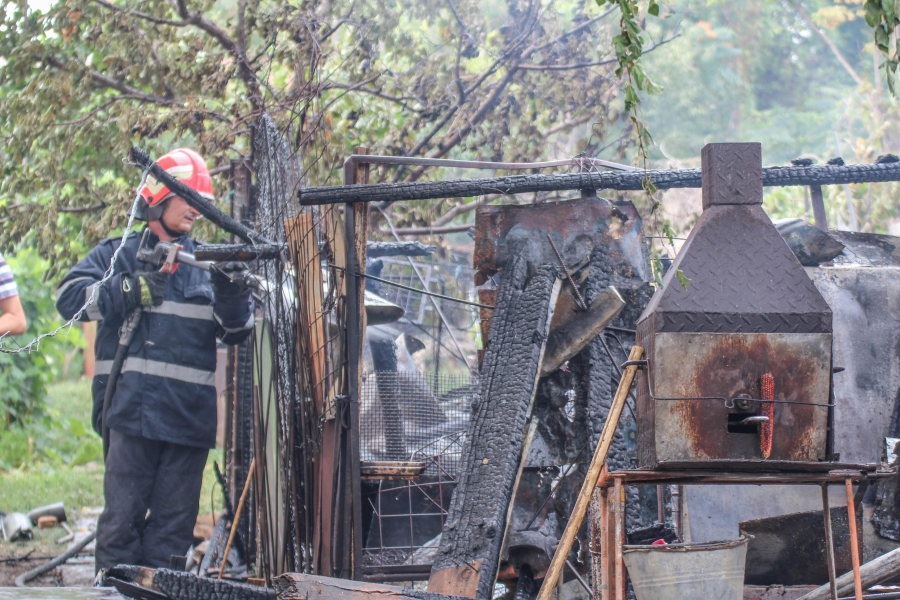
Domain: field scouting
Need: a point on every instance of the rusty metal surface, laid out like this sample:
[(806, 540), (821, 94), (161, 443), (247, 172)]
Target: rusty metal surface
[(701, 364), (576, 227)]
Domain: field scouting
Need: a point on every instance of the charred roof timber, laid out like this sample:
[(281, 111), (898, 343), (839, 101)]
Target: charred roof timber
[(814, 175)]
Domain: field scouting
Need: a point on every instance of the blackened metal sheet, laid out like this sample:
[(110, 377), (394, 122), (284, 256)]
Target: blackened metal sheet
[(789, 549), (576, 226), (702, 364)]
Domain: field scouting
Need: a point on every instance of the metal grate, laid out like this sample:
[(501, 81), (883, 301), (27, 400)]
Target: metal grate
[(410, 416), (413, 416)]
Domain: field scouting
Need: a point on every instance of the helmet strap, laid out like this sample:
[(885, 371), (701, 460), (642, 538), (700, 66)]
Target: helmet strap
[(168, 230)]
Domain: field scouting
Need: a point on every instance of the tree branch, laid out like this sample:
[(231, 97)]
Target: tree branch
[(377, 93), (828, 42), (567, 125), (241, 27), (82, 209), (454, 212), (574, 30), (456, 137), (349, 89), (459, 45), (140, 15), (108, 82), (246, 72), (594, 63)]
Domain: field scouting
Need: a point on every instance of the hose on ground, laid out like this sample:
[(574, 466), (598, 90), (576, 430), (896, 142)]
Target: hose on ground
[(75, 549)]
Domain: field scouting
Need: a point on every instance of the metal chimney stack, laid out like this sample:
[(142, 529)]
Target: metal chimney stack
[(747, 326)]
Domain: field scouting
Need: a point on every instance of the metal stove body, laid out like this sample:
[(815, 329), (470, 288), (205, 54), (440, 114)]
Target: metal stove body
[(743, 313)]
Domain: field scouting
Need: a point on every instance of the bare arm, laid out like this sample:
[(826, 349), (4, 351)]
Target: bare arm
[(12, 317)]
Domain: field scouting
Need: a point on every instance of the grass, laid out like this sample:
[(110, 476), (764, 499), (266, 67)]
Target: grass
[(58, 458)]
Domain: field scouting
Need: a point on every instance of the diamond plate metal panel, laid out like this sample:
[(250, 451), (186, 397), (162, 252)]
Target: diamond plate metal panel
[(732, 174), (742, 278)]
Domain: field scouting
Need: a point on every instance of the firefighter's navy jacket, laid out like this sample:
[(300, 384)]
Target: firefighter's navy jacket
[(167, 388)]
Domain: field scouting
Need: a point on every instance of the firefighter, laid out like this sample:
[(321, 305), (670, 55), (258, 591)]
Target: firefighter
[(162, 418)]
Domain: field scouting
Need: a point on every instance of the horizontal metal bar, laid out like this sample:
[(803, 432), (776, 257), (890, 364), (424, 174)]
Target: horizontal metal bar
[(605, 180), (412, 289), (374, 159)]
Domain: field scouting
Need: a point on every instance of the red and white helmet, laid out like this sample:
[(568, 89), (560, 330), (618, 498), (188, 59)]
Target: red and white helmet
[(186, 166)]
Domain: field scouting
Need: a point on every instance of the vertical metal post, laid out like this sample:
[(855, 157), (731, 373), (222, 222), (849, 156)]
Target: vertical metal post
[(829, 543), (676, 511), (818, 204), (854, 540), (606, 548), (618, 492), (355, 221), (660, 514)]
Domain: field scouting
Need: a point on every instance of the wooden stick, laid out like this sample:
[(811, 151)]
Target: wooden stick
[(237, 518), (590, 481), (872, 573), (854, 544)]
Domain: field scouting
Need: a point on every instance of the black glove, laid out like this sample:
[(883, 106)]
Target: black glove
[(146, 289), (229, 280)]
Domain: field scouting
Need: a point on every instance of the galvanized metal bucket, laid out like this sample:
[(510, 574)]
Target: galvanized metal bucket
[(711, 571)]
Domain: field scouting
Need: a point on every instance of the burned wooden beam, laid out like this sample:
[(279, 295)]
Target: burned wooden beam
[(240, 252), (379, 249), (814, 175), (469, 553), (300, 586)]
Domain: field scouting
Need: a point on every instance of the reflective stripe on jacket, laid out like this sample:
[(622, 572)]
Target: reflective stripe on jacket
[(166, 390)]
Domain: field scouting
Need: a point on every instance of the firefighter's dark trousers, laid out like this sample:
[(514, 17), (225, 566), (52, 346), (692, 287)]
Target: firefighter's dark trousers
[(152, 493)]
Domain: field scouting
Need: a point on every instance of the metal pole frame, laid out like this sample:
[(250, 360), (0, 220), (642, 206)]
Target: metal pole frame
[(354, 174)]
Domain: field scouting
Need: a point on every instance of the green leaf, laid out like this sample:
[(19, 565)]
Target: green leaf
[(653, 9), (682, 278), (882, 38), (873, 13), (889, 10)]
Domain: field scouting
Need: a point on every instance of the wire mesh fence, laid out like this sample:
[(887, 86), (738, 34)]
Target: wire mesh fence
[(412, 417), (296, 360), (415, 416)]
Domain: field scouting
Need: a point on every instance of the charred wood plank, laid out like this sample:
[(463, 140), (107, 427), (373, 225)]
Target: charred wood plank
[(182, 585), (242, 252), (469, 553), (300, 586), (379, 249), (605, 180), (576, 332)]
